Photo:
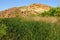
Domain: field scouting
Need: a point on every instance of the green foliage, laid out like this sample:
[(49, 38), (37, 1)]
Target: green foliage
[(52, 12), (3, 28), (17, 14), (17, 29), (32, 15)]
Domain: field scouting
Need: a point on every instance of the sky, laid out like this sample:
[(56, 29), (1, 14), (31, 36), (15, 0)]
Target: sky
[(5, 4)]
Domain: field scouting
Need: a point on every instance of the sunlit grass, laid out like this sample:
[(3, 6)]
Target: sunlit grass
[(18, 29)]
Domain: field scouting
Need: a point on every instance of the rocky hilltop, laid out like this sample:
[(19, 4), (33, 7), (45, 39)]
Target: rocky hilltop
[(24, 10)]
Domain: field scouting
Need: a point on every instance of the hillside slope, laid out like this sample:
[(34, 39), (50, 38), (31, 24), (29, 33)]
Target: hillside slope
[(24, 10)]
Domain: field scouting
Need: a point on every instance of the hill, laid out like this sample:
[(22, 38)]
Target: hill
[(33, 22), (24, 10)]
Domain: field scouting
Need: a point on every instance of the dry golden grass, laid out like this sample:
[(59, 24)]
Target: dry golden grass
[(44, 19)]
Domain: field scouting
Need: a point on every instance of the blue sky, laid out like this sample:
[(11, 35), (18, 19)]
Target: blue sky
[(5, 4)]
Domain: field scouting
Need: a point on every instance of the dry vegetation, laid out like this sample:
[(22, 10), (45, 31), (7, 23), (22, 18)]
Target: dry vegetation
[(34, 8)]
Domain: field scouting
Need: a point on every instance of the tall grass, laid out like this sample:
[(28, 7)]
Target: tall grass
[(18, 29)]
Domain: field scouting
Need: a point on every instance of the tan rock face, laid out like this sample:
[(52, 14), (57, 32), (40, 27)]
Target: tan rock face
[(24, 10), (39, 7)]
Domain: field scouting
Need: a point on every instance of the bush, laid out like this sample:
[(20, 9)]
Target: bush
[(52, 12), (18, 29), (3, 29)]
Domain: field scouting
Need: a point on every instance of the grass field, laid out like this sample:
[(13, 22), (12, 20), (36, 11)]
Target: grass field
[(18, 29)]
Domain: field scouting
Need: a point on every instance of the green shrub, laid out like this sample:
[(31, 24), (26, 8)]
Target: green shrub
[(52, 12), (30, 30), (2, 30)]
